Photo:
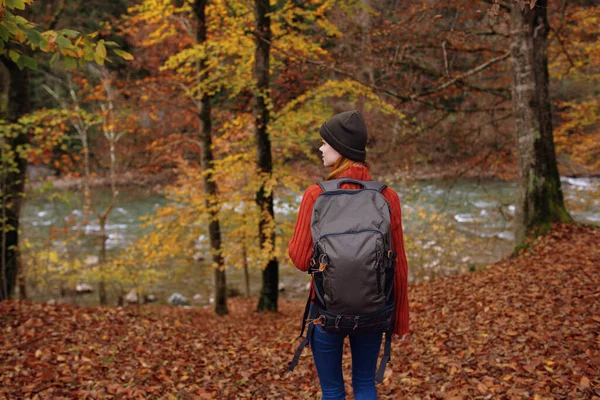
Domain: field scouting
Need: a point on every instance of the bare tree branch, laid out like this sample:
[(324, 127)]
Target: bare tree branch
[(462, 76), (402, 98), (56, 16), (564, 50), (504, 6), (446, 66)]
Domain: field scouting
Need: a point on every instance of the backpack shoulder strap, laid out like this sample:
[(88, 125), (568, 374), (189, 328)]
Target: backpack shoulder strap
[(334, 184)]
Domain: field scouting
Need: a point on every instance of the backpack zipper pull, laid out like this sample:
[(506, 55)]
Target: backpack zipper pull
[(356, 318)]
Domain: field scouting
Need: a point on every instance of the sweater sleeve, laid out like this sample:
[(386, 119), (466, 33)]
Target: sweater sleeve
[(300, 246), (401, 271)]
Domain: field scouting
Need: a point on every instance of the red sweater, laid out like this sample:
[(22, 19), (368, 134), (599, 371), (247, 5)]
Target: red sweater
[(300, 246)]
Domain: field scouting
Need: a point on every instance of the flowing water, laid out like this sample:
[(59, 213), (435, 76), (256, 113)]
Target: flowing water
[(450, 227)]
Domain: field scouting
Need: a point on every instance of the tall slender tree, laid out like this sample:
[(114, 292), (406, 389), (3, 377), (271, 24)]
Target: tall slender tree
[(206, 161), (264, 195), (15, 86), (540, 198), (12, 178)]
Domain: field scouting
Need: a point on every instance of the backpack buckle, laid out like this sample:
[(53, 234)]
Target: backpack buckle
[(323, 262), (337, 321), (392, 255)]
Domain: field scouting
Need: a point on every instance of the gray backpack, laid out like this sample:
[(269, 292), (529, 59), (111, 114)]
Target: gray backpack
[(352, 264)]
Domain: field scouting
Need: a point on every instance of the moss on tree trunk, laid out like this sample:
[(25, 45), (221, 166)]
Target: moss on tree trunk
[(539, 194)]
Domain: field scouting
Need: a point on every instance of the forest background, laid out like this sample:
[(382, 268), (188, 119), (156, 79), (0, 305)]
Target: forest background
[(201, 119), (187, 103)]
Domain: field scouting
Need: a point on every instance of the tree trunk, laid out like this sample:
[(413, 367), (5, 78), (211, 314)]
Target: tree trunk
[(12, 181), (264, 196), (22, 280), (102, 261), (539, 194), (245, 267), (206, 161)]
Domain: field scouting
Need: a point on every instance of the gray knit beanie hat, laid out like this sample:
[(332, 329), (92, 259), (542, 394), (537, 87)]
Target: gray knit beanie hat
[(347, 134)]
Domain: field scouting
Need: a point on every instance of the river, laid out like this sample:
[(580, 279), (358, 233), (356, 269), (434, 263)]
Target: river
[(450, 227)]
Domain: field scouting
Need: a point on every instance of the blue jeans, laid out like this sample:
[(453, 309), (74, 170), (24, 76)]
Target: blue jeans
[(327, 349)]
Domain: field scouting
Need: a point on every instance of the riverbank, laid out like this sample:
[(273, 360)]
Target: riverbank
[(523, 328), (158, 181), (154, 182)]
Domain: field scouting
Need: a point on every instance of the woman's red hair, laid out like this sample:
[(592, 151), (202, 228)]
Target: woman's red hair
[(341, 165)]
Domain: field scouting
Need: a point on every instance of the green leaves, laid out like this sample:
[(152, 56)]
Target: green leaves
[(18, 4), (4, 34), (69, 62), (26, 61), (63, 43), (123, 54), (69, 33), (14, 56), (54, 59), (101, 49), (36, 38), (100, 54), (68, 44), (22, 60)]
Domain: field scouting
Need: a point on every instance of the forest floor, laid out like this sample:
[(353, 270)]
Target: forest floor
[(524, 328)]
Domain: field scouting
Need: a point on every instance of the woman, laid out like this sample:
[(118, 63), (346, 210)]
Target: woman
[(343, 151)]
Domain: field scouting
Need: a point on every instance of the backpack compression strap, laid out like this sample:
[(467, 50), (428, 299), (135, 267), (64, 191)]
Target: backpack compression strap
[(334, 184), (387, 349), (305, 340)]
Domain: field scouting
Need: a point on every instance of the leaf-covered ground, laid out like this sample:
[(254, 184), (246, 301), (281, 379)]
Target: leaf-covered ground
[(524, 328)]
